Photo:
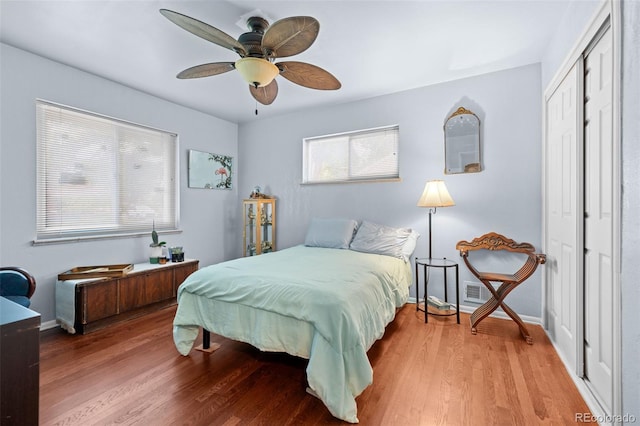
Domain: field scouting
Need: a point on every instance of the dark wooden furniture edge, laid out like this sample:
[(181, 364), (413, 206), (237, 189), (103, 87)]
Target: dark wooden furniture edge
[(19, 364)]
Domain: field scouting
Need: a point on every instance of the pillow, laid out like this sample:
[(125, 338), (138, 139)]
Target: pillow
[(330, 233), (410, 245), (385, 240)]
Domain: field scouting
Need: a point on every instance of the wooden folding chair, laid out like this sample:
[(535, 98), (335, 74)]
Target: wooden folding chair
[(494, 242)]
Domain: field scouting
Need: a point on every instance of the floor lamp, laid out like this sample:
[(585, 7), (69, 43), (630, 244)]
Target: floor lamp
[(435, 195)]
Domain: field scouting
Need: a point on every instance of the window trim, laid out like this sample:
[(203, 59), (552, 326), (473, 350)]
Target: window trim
[(364, 180), (85, 238), (352, 180), (81, 236)]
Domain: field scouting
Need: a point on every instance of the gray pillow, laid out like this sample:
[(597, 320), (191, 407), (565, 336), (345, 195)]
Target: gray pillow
[(385, 240), (330, 233)]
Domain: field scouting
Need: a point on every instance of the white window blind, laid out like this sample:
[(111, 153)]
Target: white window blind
[(355, 156), (101, 176)]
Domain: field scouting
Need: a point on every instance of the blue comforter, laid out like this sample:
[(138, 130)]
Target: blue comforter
[(345, 298)]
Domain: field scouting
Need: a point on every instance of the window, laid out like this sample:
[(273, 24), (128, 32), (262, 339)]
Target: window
[(354, 156), (100, 176)]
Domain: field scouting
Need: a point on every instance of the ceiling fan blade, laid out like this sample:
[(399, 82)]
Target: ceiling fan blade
[(265, 95), (204, 31), (290, 36), (308, 75), (206, 70)]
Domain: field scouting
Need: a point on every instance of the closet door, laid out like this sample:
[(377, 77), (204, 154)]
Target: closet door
[(563, 216), (598, 220), (581, 214)]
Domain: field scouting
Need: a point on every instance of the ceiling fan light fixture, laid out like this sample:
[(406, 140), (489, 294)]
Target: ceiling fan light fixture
[(256, 71)]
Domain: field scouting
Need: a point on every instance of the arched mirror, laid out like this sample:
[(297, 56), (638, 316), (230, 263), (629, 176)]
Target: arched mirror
[(462, 142)]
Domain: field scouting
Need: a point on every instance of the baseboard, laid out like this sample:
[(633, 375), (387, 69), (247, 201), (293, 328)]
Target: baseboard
[(496, 314), (49, 325), (463, 308)]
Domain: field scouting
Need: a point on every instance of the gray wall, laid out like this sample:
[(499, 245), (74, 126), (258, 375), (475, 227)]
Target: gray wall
[(576, 18), (208, 217), (630, 268), (505, 197)]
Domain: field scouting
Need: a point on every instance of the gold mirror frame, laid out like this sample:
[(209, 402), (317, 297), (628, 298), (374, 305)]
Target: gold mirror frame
[(462, 143)]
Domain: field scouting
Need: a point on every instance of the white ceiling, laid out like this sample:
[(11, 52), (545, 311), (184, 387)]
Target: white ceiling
[(372, 47)]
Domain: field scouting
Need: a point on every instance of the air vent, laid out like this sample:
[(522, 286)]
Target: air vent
[(475, 292)]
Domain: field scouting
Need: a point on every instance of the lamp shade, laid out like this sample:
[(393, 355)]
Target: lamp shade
[(257, 72), (435, 195)]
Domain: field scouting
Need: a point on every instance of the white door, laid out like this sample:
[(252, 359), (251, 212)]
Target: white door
[(563, 216), (598, 222)]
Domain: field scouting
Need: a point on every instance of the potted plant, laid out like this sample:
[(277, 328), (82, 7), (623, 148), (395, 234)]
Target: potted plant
[(177, 255), (156, 246)]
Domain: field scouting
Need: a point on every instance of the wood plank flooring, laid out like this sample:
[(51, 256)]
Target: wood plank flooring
[(424, 374)]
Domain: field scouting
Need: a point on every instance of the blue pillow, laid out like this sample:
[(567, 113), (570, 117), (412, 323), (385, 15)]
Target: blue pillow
[(385, 240), (330, 233)]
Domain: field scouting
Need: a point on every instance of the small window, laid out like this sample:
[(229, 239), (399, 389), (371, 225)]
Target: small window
[(100, 176), (354, 156)]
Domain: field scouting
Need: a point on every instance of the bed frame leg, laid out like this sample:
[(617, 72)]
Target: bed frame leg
[(206, 345), (206, 339)]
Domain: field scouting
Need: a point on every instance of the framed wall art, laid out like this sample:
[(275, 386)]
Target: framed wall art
[(210, 171)]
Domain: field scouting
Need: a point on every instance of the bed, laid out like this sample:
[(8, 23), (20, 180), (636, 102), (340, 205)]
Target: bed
[(326, 304)]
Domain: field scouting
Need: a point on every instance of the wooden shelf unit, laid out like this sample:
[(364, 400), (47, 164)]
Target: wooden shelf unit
[(101, 302), (259, 230)]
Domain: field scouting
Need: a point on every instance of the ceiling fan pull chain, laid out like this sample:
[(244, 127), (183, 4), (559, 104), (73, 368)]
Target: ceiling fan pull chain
[(256, 107)]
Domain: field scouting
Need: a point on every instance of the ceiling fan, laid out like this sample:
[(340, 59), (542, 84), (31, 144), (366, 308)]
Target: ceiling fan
[(258, 49)]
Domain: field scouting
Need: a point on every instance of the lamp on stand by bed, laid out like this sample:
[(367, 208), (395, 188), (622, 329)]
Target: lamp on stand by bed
[(435, 195)]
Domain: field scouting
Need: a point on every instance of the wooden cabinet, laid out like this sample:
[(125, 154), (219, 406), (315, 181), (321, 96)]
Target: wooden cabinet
[(19, 364), (99, 300), (146, 288), (259, 232)]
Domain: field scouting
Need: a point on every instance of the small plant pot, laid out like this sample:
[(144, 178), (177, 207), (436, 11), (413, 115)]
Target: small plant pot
[(154, 254)]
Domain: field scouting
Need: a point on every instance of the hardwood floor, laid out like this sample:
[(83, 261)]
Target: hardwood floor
[(424, 374)]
